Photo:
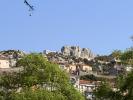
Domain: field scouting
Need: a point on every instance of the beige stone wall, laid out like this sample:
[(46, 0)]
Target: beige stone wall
[(4, 64), (87, 68), (72, 67)]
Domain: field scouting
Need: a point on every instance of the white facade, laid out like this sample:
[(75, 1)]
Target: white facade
[(48, 51), (86, 68), (13, 62), (4, 63), (129, 68), (86, 87)]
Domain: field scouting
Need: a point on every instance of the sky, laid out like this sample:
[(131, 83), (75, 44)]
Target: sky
[(101, 25)]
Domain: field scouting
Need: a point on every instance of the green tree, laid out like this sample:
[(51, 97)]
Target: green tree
[(123, 85), (104, 92), (124, 90), (116, 54), (38, 80), (127, 57), (127, 87)]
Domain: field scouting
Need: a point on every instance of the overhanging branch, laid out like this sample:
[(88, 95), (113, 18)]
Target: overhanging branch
[(31, 8)]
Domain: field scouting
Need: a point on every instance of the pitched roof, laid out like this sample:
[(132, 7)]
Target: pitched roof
[(85, 82)]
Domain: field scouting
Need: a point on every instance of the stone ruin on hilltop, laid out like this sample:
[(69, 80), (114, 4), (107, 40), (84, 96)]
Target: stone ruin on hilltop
[(77, 52)]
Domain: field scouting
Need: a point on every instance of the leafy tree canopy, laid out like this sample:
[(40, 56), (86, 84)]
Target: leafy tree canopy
[(39, 80), (127, 57), (124, 89)]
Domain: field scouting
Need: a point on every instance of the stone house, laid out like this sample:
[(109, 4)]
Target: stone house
[(4, 62), (64, 67), (86, 68), (87, 87)]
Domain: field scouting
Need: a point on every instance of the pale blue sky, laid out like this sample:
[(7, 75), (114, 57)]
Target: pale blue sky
[(101, 25)]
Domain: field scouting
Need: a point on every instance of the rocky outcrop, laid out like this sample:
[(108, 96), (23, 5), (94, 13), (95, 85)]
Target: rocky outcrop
[(76, 51), (12, 54)]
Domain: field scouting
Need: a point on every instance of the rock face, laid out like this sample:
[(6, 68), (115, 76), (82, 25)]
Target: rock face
[(12, 56), (76, 51)]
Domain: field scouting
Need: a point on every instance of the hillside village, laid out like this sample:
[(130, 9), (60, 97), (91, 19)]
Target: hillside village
[(83, 66)]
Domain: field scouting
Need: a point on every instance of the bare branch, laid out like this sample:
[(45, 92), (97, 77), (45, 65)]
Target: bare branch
[(31, 8)]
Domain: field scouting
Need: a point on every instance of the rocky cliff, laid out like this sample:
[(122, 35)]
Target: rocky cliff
[(77, 52), (12, 54)]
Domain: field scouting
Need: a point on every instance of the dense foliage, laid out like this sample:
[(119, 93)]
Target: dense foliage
[(123, 87), (91, 78), (127, 57), (39, 80)]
